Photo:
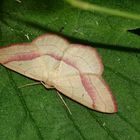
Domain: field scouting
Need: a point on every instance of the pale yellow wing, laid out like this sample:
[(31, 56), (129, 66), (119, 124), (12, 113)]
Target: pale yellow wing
[(83, 59), (79, 77), (75, 70), (89, 90), (37, 59), (60, 44)]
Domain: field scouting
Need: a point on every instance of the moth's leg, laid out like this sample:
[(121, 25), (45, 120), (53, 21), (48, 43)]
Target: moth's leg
[(47, 86), (64, 103)]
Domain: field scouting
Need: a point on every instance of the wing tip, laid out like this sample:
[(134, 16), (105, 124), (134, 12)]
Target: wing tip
[(105, 101), (115, 107), (112, 108)]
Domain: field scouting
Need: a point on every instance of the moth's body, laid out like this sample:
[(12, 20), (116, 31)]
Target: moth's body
[(73, 69)]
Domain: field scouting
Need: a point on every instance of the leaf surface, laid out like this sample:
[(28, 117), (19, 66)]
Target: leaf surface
[(38, 114)]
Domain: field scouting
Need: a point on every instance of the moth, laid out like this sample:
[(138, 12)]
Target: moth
[(73, 69)]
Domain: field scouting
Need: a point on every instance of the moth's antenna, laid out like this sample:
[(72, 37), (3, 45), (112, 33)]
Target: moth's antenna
[(30, 84)]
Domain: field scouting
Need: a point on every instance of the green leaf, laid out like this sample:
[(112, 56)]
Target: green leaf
[(35, 113)]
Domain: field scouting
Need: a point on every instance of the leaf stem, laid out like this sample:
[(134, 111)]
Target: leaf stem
[(90, 7)]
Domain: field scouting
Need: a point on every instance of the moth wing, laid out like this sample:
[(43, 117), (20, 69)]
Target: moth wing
[(79, 77), (83, 58), (37, 59), (89, 90), (25, 59), (60, 44)]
